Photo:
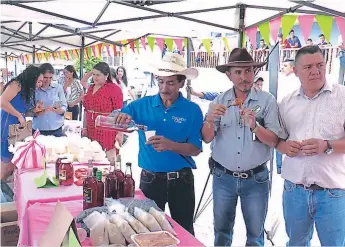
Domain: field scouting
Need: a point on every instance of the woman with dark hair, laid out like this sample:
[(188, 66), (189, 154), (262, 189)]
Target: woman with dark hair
[(122, 81), (16, 100), (73, 91), (51, 119), (102, 97)]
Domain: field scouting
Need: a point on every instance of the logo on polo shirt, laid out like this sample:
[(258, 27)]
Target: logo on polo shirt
[(178, 119)]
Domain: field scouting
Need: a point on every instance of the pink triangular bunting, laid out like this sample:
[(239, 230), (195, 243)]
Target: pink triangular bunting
[(143, 42), (306, 24), (274, 27), (341, 26), (251, 32), (179, 44), (160, 43)]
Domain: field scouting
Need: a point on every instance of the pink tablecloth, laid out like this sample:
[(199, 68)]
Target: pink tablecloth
[(27, 194), (45, 210)]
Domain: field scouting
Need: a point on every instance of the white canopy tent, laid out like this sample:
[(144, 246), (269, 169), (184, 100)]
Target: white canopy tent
[(60, 24)]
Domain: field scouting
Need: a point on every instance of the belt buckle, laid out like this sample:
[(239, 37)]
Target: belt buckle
[(240, 175), (172, 178)]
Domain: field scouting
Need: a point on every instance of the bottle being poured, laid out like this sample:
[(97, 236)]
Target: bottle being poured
[(108, 123)]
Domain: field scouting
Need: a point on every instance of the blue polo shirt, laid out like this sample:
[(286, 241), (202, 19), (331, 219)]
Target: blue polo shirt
[(181, 122)]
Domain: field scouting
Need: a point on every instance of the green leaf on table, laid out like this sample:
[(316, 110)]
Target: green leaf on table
[(45, 181)]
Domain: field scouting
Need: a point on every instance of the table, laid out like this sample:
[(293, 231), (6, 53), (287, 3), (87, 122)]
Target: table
[(32, 202), (27, 194), (37, 225)]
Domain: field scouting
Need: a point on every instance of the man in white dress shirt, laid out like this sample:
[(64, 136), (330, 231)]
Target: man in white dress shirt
[(313, 119)]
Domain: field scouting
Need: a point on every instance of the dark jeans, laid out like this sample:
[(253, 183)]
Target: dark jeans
[(56, 133), (178, 193), (75, 111)]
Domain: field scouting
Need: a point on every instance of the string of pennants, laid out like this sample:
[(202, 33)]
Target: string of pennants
[(271, 28), (112, 50)]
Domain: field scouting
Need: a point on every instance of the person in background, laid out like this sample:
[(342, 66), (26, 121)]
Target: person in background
[(51, 119), (309, 42), (241, 146), (263, 45), (287, 83), (294, 40), (258, 83), (313, 139), (102, 97), (166, 157), (73, 91), (283, 43), (122, 81), (323, 45), (17, 99)]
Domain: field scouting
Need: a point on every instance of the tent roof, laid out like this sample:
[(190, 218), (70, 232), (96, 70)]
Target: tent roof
[(59, 23)]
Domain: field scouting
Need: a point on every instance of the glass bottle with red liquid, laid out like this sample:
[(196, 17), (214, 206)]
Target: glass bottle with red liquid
[(100, 189), (108, 123), (111, 183), (90, 189), (129, 183), (120, 176), (66, 173)]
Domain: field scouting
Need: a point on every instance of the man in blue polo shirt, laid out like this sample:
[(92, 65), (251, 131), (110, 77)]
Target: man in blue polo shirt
[(166, 158)]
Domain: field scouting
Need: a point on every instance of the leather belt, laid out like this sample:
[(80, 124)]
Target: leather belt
[(311, 187), (244, 174), (170, 175)]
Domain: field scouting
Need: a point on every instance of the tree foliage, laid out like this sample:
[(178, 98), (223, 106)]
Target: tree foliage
[(89, 63)]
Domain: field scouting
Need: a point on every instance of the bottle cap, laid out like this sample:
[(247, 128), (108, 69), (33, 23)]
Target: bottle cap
[(95, 171), (128, 164), (99, 175)]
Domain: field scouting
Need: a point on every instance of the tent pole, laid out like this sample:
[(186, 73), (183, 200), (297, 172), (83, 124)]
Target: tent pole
[(189, 63), (81, 51), (15, 67), (33, 54), (241, 24), (6, 67)]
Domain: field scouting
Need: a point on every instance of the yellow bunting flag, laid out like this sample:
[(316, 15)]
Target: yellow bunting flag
[(151, 42), (125, 47), (226, 43), (288, 21), (207, 45), (170, 43), (264, 29), (137, 45), (326, 24)]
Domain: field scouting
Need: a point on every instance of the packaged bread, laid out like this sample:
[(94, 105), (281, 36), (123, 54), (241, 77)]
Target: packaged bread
[(162, 221), (147, 220), (98, 231), (137, 226), (114, 234), (124, 227)]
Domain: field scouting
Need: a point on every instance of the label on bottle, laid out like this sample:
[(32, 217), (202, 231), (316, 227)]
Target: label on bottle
[(62, 175), (87, 195)]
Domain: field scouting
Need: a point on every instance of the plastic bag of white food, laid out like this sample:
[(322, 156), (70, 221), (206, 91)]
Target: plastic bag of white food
[(98, 232), (137, 226), (124, 227), (115, 206), (162, 221), (147, 219), (114, 234)]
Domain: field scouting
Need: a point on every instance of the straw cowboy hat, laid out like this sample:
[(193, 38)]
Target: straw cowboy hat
[(239, 57), (173, 64)]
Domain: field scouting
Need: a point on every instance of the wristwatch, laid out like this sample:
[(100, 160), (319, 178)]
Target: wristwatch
[(257, 125), (329, 149)]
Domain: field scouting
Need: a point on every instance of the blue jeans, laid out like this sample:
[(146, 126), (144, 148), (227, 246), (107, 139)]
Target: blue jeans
[(279, 161), (302, 208), (253, 192)]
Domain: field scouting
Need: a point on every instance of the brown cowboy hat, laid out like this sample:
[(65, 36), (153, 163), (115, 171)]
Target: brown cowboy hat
[(239, 57)]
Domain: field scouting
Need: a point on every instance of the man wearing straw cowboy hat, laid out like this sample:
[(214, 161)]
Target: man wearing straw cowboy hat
[(243, 125), (166, 157)]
